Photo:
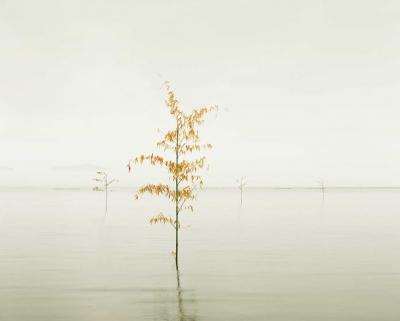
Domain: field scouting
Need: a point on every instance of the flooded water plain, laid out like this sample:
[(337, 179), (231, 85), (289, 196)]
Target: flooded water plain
[(284, 255)]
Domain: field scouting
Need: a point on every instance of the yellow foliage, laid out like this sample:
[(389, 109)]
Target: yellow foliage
[(183, 139), (161, 218)]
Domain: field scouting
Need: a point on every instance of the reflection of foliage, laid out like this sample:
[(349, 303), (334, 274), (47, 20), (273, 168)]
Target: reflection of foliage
[(104, 182), (181, 141)]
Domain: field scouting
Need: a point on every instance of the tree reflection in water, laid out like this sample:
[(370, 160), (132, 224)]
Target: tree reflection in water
[(182, 315)]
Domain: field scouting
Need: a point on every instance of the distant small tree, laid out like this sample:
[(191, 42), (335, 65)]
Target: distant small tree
[(322, 187), (242, 184), (104, 182), (183, 171)]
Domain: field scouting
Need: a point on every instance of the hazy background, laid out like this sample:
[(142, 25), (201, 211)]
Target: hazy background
[(306, 89)]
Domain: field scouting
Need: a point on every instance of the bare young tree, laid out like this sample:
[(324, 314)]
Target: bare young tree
[(182, 142), (322, 187), (104, 182), (242, 184)]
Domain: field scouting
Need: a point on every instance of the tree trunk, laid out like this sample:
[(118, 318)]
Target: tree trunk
[(176, 198), (105, 213)]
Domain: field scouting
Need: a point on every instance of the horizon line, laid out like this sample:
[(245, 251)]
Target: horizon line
[(283, 187)]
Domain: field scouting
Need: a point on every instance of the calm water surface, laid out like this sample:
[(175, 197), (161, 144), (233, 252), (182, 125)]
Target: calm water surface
[(282, 256)]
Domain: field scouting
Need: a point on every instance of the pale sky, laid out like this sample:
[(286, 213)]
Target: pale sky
[(306, 89)]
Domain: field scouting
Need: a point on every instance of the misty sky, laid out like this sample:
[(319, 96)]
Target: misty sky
[(306, 89)]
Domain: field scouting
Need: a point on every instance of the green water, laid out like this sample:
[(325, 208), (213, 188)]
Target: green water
[(282, 256)]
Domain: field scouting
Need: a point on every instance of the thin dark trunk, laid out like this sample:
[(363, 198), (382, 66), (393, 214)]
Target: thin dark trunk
[(105, 213), (176, 197)]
